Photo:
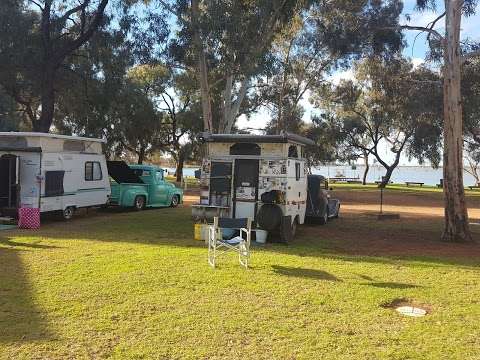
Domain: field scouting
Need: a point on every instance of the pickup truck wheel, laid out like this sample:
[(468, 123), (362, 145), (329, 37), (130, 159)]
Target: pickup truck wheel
[(68, 212), (139, 203), (175, 201), (324, 218)]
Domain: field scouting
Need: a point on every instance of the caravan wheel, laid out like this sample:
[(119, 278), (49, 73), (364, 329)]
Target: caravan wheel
[(68, 213)]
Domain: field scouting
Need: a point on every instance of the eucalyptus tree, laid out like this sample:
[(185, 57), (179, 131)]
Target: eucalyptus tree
[(175, 95), (388, 103), (228, 43), (57, 30), (471, 116), (446, 46)]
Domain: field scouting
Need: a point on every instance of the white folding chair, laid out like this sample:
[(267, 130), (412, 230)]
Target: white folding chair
[(217, 245)]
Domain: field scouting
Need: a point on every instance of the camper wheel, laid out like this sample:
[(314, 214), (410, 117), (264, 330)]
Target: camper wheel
[(288, 229), (68, 212), (139, 203), (294, 227)]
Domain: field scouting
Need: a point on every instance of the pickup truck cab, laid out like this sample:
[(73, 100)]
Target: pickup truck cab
[(141, 186)]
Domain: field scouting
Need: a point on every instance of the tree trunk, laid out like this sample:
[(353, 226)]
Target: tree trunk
[(387, 176), (44, 123), (456, 215), (227, 103), (235, 106), (367, 167), (202, 69), (141, 156), (179, 169)]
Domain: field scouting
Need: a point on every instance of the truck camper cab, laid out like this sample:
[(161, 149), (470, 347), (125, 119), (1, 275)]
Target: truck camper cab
[(263, 177), (51, 172)]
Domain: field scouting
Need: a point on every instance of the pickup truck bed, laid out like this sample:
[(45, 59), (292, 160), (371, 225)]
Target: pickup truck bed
[(120, 191)]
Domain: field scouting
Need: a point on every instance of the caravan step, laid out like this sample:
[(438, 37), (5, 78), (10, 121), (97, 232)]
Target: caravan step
[(7, 220)]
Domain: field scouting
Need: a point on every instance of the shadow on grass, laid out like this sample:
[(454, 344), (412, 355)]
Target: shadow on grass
[(174, 228), (392, 285), (304, 273), (8, 242), (20, 319)]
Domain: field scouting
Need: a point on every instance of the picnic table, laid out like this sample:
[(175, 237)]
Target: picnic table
[(414, 183), (473, 187)]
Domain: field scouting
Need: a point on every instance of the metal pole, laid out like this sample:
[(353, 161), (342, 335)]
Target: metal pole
[(381, 200), (9, 182)]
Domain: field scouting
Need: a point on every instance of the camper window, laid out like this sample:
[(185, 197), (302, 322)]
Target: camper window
[(93, 171), (54, 183), (245, 149), (292, 151)]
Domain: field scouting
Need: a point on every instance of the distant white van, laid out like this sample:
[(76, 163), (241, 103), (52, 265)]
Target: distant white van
[(51, 172)]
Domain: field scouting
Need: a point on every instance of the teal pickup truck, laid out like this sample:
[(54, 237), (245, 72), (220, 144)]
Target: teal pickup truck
[(141, 186)]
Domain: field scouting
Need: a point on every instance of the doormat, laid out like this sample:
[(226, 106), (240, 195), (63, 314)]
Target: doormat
[(7, 227)]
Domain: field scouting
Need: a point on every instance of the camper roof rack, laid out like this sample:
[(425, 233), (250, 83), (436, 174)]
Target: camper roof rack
[(284, 137)]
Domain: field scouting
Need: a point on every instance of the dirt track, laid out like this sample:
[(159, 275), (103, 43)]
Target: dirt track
[(407, 204), (416, 233)]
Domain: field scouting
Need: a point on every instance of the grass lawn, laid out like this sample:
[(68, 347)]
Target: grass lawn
[(135, 285)]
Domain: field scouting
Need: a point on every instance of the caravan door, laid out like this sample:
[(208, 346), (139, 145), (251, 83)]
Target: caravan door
[(245, 189), (9, 180)]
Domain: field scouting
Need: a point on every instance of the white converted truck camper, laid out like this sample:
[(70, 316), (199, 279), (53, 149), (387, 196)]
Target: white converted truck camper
[(263, 177), (51, 172)]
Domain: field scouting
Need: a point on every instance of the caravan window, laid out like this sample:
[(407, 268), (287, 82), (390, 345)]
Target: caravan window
[(93, 171), (54, 183)]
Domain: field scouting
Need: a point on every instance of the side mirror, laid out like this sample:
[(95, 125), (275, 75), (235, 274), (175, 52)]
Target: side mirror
[(198, 173)]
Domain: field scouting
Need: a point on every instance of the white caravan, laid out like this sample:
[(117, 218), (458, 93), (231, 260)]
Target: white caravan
[(51, 172), (263, 177)]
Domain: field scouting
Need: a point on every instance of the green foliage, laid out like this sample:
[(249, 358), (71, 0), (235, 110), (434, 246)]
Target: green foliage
[(389, 102)]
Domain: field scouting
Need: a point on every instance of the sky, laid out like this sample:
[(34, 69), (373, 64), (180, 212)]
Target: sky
[(416, 50)]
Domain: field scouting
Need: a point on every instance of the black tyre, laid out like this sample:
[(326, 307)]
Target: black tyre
[(294, 228), (324, 218), (175, 201), (338, 212), (139, 203), (68, 213)]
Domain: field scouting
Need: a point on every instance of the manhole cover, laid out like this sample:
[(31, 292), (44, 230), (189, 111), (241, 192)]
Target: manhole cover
[(411, 311)]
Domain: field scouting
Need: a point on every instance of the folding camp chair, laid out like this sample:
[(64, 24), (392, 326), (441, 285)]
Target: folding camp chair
[(240, 243)]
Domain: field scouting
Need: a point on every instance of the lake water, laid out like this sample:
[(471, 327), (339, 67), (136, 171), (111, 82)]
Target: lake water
[(401, 174)]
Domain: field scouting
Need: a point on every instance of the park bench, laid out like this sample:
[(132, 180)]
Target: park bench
[(474, 187), (343, 180), (414, 183)]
